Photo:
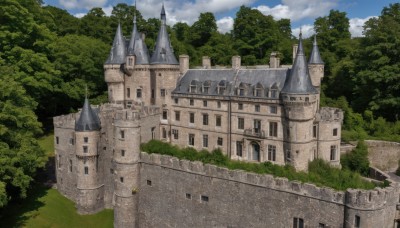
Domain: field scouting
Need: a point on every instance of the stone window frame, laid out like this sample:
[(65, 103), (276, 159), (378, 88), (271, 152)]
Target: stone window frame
[(163, 92), (205, 103), (258, 90), (86, 170), (128, 92), (85, 149), (220, 141), (175, 132), (273, 129), (122, 153), (177, 115), (218, 104), (70, 165), (191, 102), (271, 153), (239, 152), (333, 153), (240, 106), (163, 133), (165, 114), (298, 222), (273, 91), (335, 132), (85, 139), (315, 131), (139, 93), (205, 119), (205, 141), (191, 139), (241, 123), (357, 221), (218, 120), (273, 109), (192, 117), (176, 100), (57, 140), (257, 126), (257, 108)]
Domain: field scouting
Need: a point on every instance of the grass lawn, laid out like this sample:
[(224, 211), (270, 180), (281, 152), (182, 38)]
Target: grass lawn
[(46, 207)]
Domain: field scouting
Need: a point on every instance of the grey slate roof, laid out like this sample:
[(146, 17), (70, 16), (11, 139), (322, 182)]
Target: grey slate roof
[(299, 81), (315, 57), (138, 47), (88, 120), (163, 52), (118, 49)]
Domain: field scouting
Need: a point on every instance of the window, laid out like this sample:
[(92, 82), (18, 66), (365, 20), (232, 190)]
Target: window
[(191, 117), (128, 92), (188, 196), (57, 140), (333, 152), (193, 88), (205, 89), (239, 148), (86, 170), (357, 222), (321, 225), (165, 114), (314, 133), (148, 182), (122, 153), (240, 106), (85, 149), (220, 141), (205, 140), (153, 133), (176, 100), (219, 104), (164, 133), (85, 139), (298, 223), (240, 123), (130, 61), (175, 133), (122, 134), (70, 165), (241, 92), (121, 179), (257, 126), (72, 141), (288, 154), (307, 99), (138, 93), (257, 108), (162, 92), (205, 119), (292, 98), (191, 139), (271, 153), (218, 121), (204, 198), (191, 102), (274, 93), (273, 129), (204, 103), (273, 109), (152, 93), (177, 115), (59, 161), (335, 132)]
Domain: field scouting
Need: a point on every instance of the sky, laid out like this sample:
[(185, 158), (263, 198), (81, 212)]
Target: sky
[(302, 13)]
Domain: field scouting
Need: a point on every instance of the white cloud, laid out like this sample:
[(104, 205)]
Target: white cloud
[(79, 15), (356, 26), (306, 30), (107, 10), (225, 24), (296, 10), (82, 4)]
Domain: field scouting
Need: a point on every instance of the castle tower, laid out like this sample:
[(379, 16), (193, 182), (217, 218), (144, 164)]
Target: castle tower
[(126, 168), (114, 77), (89, 183), (299, 97), (316, 67), (165, 67)]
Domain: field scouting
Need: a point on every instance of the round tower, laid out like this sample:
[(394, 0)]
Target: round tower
[(126, 168), (316, 68), (89, 182), (300, 104), (113, 74)]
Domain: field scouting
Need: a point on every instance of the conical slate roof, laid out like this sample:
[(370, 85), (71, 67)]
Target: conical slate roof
[(88, 121), (163, 52), (299, 81), (315, 57), (118, 49), (134, 36), (137, 46)]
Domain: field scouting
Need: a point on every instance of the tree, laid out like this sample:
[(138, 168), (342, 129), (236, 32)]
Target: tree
[(202, 30), (357, 159)]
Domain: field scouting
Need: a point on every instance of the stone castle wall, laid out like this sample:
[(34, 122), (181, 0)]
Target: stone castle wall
[(383, 155)]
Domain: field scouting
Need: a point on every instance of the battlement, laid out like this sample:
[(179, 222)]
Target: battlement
[(330, 114), (372, 199), (65, 121)]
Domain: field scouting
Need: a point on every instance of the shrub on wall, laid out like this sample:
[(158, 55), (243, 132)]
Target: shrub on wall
[(357, 159)]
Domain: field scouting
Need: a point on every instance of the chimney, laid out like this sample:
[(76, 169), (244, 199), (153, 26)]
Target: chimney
[(295, 47), (274, 60), (206, 61), (236, 62), (183, 64)]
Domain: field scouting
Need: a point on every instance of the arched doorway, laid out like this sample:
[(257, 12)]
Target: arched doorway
[(254, 153)]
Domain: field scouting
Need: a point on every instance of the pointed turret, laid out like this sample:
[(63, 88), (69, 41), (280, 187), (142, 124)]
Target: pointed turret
[(163, 52), (137, 46), (88, 121), (299, 81), (134, 36), (118, 49), (315, 57)]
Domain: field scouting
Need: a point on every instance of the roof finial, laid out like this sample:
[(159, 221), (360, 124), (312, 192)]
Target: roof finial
[(86, 91), (301, 33)]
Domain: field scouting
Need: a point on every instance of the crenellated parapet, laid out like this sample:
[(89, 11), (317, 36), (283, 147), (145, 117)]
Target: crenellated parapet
[(65, 121), (375, 199), (328, 114)]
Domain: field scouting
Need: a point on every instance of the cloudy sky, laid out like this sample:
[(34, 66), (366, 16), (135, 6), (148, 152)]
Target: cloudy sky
[(302, 13)]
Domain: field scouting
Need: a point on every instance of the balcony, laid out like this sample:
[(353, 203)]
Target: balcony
[(254, 132)]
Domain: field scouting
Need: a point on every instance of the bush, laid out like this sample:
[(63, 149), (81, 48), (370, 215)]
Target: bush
[(319, 173), (357, 159)]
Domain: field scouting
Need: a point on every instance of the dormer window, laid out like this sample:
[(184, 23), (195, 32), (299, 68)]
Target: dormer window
[(206, 86), (274, 91), (193, 86), (130, 61), (258, 90), (221, 87), (241, 90)]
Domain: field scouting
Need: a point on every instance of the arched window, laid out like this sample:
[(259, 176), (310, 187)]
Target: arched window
[(221, 87)]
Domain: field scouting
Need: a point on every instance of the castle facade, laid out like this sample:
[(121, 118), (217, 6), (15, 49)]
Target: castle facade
[(269, 113)]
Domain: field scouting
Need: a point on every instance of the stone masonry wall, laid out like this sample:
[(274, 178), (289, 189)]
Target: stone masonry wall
[(383, 155)]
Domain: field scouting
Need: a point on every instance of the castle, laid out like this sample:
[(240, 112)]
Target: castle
[(266, 113)]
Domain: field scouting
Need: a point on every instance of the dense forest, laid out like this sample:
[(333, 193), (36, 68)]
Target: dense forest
[(47, 56)]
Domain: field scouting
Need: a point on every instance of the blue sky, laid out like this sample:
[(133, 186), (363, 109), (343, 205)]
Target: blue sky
[(301, 12)]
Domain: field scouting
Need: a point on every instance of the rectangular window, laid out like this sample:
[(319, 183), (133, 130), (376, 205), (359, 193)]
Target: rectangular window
[(176, 100), (220, 141), (138, 93), (148, 182), (240, 106), (257, 126), (152, 93), (175, 133), (357, 222), (191, 102), (273, 109), (218, 121), (321, 225), (122, 134), (219, 104), (257, 108), (274, 93), (288, 154), (188, 196), (165, 114), (298, 223), (85, 149), (205, 119), (71, 141), (335, 132), (70, 165), (273, 129), (205, 140), (128, 92), (239, 148), (121, 179), (271, 153), (191, 139), (240, 123), (57, 140), (164, 133), (162, 92), (86, 170), (191, 117), (177, 115), (122, 153), (204, 103), (314, 132), (333, 152), (204, 198), (59, 161), (85, 139)]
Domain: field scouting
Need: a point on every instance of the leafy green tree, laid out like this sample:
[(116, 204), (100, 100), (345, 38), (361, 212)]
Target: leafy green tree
[(201, 31), (64, 22), (97, 25), (357, 159)]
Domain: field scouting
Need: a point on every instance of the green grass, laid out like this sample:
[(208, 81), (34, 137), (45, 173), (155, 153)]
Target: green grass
[(46, 207)]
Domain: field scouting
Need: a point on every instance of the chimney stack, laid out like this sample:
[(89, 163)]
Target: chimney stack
[(183, 64), (236, 62), (206, 61), (274, 60)]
